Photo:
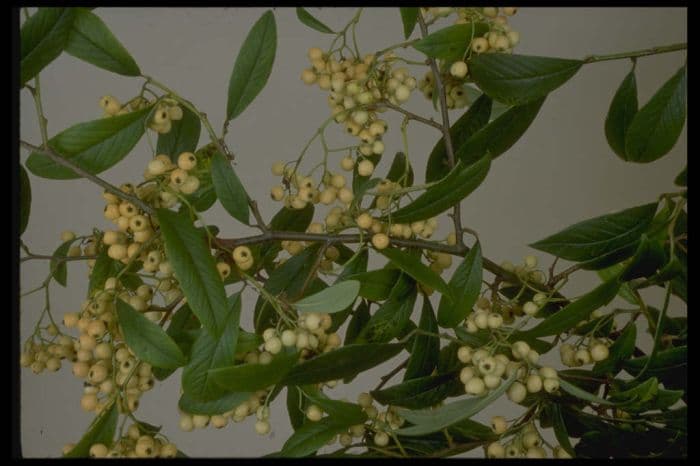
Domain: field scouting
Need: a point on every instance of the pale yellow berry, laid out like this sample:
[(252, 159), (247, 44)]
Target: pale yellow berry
[(186, 423), (534, 383), (496, 450), (466, 374), (499, 424), (365, 168), (550, 385), (345, 195), (475, 386), (480, 45), (347, 163), (458, 69), (464, 354), (224, 270), (365, 400), (314, 413), (380, 241), (381, 439), (582, 357), (241, 254), (110, 105), (262, 427), (599, 352), (517, 392)]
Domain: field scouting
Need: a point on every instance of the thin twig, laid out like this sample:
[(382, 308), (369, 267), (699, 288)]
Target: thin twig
[(449, 149), (89, 176), (385, 378), (413, 116), (637, 53)]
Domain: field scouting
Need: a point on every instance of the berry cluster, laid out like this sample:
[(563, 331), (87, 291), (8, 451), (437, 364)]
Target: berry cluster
[(575, 356), (256, 404), (135, 444), (525, 442)]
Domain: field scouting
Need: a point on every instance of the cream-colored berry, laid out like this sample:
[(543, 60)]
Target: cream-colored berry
[(466, 374), (380, 241), (365, 168), (495, 450), (550, 385), (262, 427), (347, 163), (186, 423), (534, 383), (381, 439), (458, 69), (464, 354), (187, 161), (517, 392), (480, 45), (599, 352), (475, 386), (582, 356), (314, 413)]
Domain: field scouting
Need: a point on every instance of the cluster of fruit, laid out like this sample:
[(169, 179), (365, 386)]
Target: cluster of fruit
[(526, 442), (254, 405), (135, 444)]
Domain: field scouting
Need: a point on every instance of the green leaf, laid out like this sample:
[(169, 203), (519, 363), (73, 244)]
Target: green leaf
[(195, 269), (310, 437), (296, 407), (500, 134), (391, 318), (252, 377), (419, 393), (346, 361), (92, 41), (25, 199), (104, 268), (426, 348), (594, 238), (573, 390), (287, 220), (209, 352), (409, 18), (182, 137), (413, 267), (308, 19), (620, 351), (93, 146), (376, 285), (335, 298), (560, 429), (229, 189), (518, 79), (101, 430), (461, 131), (625, 290), (465, 285), (341, 411), (575, 312), (682, 178), (182, 325), (209, 408), (57, 267), (148, 340), (433, 420), (649, 258), (655, 129), (253, 65), (401, 170), (359, 320), (663, 360), (622, 110), (460, 182), (42, 38), (288, 278), (450, 43)]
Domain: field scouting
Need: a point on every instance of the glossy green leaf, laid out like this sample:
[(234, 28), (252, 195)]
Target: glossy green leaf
[(560, 431), (42, 38), (359, 320), (209, 408), (148, 340), (426, 348), (575, 312), (647, 260), (655, 129), (450, 43), (182, 137), (288, 278), (465, 286), (500, 134), (94, 146), (518, 79), (620, 114), (433, 420), (101, 430), (419, 393), (287, 220), (376, 285), (401, 171), (308, 19), (625, 291), (593, 238), (92, 41), (184, 329), (229, 189), (674, 357), (464, 128), (460, 182), (195, 269), (296, 407), (682, 178), (57, 267), (413, 267), (342, 411), (409, 18), (333, 299), (390, 319), (209, 352), (620, 351), (573, 390), (253, 65), (25, 199), (310, 437), (346, 361), (252, 377)]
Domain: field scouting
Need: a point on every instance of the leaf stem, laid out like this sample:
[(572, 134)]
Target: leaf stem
[(637, 53)]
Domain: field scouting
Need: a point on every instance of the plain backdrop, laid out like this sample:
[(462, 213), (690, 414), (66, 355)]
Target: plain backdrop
[(560, 172)]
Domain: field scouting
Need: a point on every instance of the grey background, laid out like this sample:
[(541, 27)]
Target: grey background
[(560, 172)]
